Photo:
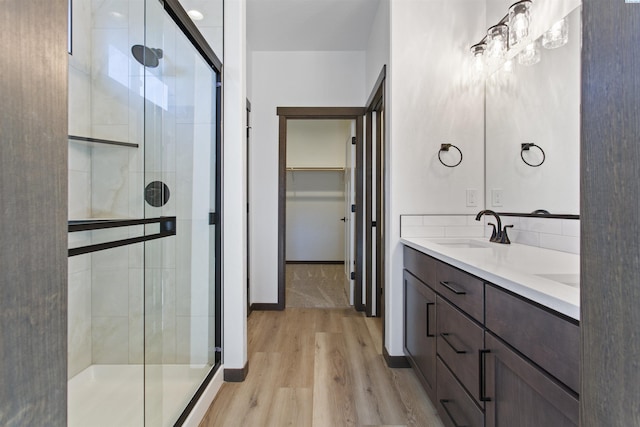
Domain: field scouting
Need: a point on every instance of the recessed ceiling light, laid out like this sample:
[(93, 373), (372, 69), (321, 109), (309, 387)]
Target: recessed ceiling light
[(196, 15)]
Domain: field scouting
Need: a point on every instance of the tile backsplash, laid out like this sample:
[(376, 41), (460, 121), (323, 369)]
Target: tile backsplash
[(550, 233), (440, 226)]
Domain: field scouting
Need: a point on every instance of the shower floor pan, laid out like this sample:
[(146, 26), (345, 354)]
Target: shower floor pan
[(114, 395)]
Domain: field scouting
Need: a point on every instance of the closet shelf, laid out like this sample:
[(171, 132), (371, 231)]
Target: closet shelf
[(315, 169)]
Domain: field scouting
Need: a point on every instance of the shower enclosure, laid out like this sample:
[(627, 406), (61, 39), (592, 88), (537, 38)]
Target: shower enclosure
[(144, 201)]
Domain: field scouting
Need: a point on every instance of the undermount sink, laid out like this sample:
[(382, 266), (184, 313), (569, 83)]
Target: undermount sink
[(566, 279), (461, 243)]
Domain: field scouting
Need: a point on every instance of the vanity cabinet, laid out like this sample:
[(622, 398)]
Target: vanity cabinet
[(532, 357), (462, 289), (459, 342), (521, 394), (420, 331), (455, 407), (485, 355)]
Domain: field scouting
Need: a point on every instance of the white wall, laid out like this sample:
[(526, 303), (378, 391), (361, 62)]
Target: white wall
[(433, 100), (234, 186), (377, 54), (288, 79), (317, 143)]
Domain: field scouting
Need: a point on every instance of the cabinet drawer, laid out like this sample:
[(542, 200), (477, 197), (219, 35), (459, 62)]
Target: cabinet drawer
[(462, 289), (455, 407), (420, 265), (459, 343), (548, 340)]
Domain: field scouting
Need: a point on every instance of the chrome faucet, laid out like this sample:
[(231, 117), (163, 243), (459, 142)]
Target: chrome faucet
[(498, 235)]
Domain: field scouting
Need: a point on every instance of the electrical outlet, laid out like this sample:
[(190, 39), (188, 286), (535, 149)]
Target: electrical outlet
[(496, 197), (472, 197)]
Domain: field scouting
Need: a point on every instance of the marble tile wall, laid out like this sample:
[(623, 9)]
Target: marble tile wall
[(79, 271), (551, 233)]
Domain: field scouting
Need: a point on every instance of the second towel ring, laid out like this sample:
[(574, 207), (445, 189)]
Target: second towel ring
[(526, 147), (445, 147)]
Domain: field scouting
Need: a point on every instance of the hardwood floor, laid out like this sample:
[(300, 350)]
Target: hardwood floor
[(319, 367)]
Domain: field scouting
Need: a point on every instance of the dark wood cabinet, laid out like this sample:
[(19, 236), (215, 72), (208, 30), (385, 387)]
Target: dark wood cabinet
[(550, 341), (459, 342), (485, 355), (462, 289), (520, 394), (420, 331), (455, 407)]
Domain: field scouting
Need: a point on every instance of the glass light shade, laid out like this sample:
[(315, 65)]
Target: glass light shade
[(478, 57), (519, 21), (497, 39), (530, 55), (557, 35)]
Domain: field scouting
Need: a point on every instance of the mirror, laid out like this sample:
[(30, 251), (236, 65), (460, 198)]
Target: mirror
[(536, 104)]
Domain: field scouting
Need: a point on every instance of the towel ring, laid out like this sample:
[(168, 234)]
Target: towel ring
[(445, 147), (526, 147)]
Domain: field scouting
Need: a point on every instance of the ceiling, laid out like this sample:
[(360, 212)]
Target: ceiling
[(309, 25)]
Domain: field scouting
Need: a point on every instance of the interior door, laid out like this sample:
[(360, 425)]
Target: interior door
[(349, 215)]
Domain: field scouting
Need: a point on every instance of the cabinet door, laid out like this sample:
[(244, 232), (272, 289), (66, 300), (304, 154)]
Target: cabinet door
[(420, 330), (520, 394)]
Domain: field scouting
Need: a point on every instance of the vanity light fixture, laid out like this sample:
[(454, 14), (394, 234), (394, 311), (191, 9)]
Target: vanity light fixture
[(519, 21), (478, 57), (557, 35), (530, 55), (497, 41)]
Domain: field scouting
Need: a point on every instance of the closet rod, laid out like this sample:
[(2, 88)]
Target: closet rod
[(320, 169)]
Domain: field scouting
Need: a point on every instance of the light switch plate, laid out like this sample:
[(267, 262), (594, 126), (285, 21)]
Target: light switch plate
[(496, 197), (472, 197)]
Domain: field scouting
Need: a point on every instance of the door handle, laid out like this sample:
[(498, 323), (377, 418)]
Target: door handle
[(343, 219)]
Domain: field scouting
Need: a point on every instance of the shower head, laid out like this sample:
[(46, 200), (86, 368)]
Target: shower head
[(148, 57)]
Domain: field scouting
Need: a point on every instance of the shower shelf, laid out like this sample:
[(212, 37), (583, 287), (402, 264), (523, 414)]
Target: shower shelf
[(102, 141), (167, 228)]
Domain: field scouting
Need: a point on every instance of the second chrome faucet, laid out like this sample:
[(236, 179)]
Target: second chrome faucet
[(499, 234)]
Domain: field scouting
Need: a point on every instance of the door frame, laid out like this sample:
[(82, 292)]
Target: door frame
[(318, 113), (248, 190), (375, 103)]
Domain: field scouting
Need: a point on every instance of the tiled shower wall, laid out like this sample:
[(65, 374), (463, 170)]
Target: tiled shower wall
[(105, 181), (550, 233)]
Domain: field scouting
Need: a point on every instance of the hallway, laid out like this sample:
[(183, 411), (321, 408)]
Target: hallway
[(319, 367)]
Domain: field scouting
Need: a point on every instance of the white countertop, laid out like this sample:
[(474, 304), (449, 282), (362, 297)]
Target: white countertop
[(548, 277)]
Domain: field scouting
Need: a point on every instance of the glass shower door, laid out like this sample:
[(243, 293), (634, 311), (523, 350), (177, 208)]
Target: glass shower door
[(180, 94)]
